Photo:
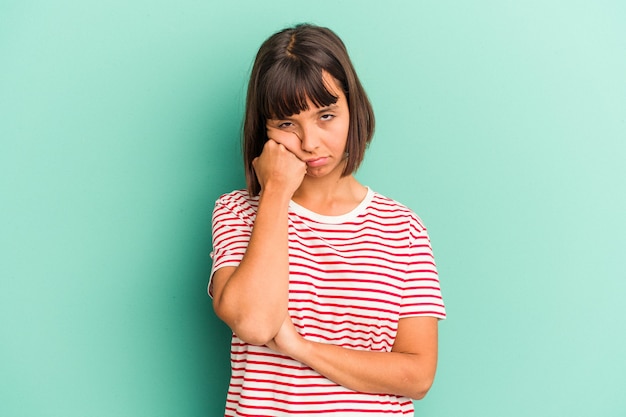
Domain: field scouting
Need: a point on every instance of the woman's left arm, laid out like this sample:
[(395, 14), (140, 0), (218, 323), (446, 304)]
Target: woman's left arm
[(408, 370)]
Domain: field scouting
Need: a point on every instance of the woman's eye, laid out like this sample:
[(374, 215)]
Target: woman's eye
[(285, 125), (327, 116)]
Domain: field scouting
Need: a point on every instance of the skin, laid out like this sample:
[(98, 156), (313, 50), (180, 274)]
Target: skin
[(302, 161)]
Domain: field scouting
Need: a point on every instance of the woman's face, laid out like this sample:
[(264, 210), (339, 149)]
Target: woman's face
[(318, 135)]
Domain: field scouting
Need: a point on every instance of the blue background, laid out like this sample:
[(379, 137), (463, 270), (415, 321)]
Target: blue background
[(502, 124)]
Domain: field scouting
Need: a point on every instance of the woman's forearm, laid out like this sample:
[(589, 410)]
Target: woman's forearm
[(253, 300), (405, 374), (408, 370)]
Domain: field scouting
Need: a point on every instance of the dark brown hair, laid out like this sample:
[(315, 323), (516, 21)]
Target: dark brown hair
[(286, 72)]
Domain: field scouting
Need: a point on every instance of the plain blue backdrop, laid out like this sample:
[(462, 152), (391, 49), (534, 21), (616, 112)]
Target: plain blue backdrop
[(501, 124)]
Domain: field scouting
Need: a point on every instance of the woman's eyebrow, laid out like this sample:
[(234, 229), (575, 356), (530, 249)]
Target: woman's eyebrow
[(333, 106)]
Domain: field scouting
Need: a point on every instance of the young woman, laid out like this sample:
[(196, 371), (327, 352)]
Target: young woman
[(330, 288)]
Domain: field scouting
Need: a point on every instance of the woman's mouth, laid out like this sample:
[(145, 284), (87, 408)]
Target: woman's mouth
[(316, 162)]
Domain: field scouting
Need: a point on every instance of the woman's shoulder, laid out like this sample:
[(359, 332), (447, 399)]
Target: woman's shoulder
[(388, 207), (239, 202), (237, 197)]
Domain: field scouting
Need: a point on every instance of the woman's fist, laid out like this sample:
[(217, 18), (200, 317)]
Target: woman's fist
[(278, 166)]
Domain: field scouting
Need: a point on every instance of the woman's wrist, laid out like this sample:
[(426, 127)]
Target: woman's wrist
[(302, 350), (276, 192)]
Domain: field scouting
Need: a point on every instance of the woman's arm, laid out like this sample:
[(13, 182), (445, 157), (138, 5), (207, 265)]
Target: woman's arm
[(408, 370), (252, 298)]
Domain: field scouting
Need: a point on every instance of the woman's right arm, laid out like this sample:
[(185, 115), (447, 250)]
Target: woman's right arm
[(252, 297)]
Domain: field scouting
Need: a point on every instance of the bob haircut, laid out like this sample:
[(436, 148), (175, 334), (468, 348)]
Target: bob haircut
[(287, 71)]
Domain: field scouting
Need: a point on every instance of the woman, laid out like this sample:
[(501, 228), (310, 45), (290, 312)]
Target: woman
[(329, 287)]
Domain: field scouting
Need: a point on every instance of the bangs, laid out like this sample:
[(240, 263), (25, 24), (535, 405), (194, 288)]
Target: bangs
[(287, 86)]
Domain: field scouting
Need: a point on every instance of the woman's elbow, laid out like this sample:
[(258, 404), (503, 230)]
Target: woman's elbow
[(421, 388), (254, 332), (251, 329)]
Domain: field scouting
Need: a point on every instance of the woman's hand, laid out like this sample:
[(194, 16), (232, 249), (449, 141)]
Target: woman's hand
[(290, 139), (287, 341), (278, 166)]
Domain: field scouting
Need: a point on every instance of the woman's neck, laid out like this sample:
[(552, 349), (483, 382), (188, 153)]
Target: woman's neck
[(330, 197)]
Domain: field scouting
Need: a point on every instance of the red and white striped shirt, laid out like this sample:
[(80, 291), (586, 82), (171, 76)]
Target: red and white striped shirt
[(351, 278)]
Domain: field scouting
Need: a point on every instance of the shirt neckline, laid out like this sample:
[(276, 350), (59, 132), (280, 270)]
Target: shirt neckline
[(342, 218)]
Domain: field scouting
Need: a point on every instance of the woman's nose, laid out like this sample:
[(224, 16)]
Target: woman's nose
[(309, 139)]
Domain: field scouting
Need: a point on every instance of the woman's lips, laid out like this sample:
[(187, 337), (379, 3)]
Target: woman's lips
[(316, 162)]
